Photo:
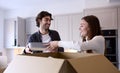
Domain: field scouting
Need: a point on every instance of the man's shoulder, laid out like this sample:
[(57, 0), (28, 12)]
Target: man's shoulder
[(53, 31), (35, 33)]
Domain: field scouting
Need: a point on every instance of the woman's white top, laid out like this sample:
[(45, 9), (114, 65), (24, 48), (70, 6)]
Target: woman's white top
[(96, 44)]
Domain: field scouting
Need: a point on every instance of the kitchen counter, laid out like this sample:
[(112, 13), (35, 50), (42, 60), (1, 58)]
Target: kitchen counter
[(12, 52)]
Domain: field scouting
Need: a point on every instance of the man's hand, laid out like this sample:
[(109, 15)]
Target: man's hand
[(53, 46), (27, 50)]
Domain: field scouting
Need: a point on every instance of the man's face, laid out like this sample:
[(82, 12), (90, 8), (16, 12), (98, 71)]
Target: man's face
[(45, 22)]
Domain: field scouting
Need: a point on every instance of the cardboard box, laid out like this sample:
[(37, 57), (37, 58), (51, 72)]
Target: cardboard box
[(3, 63), (61, 63), (2, 70)]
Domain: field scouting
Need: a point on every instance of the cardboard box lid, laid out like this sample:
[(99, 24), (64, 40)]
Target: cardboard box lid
[(3, 62), (61, 63), (30, 64), (93, 64), (2, 70)]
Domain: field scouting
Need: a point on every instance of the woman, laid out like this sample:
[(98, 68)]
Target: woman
[(92, 39)]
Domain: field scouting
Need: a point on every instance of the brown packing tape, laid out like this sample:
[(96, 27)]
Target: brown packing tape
[(61, 55), (54, 55)]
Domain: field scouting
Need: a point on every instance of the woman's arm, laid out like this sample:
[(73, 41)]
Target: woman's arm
[(70, 45), (97, 44)]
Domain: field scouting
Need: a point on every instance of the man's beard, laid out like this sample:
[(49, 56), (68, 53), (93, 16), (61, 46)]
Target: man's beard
[(46, 27)]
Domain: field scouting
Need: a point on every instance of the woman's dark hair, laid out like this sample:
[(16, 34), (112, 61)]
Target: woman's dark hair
[(94, 25), (41, 15)]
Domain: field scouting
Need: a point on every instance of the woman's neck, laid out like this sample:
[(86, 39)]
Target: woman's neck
[(86, 38)]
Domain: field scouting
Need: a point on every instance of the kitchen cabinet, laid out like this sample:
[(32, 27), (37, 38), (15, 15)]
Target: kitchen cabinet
[(14, 32), (62, 25), (111, 48), (119, 22), (0, 53), (119, 35), (107, 16), (30, 25), (68, 26), (75, 24), (1, 29)]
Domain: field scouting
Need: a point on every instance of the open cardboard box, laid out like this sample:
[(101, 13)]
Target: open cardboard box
[(2, 70), (3, 63), (61, 63)]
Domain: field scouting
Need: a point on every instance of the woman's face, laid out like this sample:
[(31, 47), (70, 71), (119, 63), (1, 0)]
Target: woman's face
[(84, 28)]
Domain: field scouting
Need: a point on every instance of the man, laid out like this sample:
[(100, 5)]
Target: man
[(44, 35)]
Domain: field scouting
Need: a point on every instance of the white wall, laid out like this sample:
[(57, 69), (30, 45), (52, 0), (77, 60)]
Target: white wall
[(101, 3), (61, 7), (1, 29)]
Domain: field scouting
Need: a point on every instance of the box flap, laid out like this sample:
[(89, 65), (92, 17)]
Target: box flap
[(54, 55), (2, 70), (93, 64), (3, 62), (30, 64), (67, 68), (61, 63)]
